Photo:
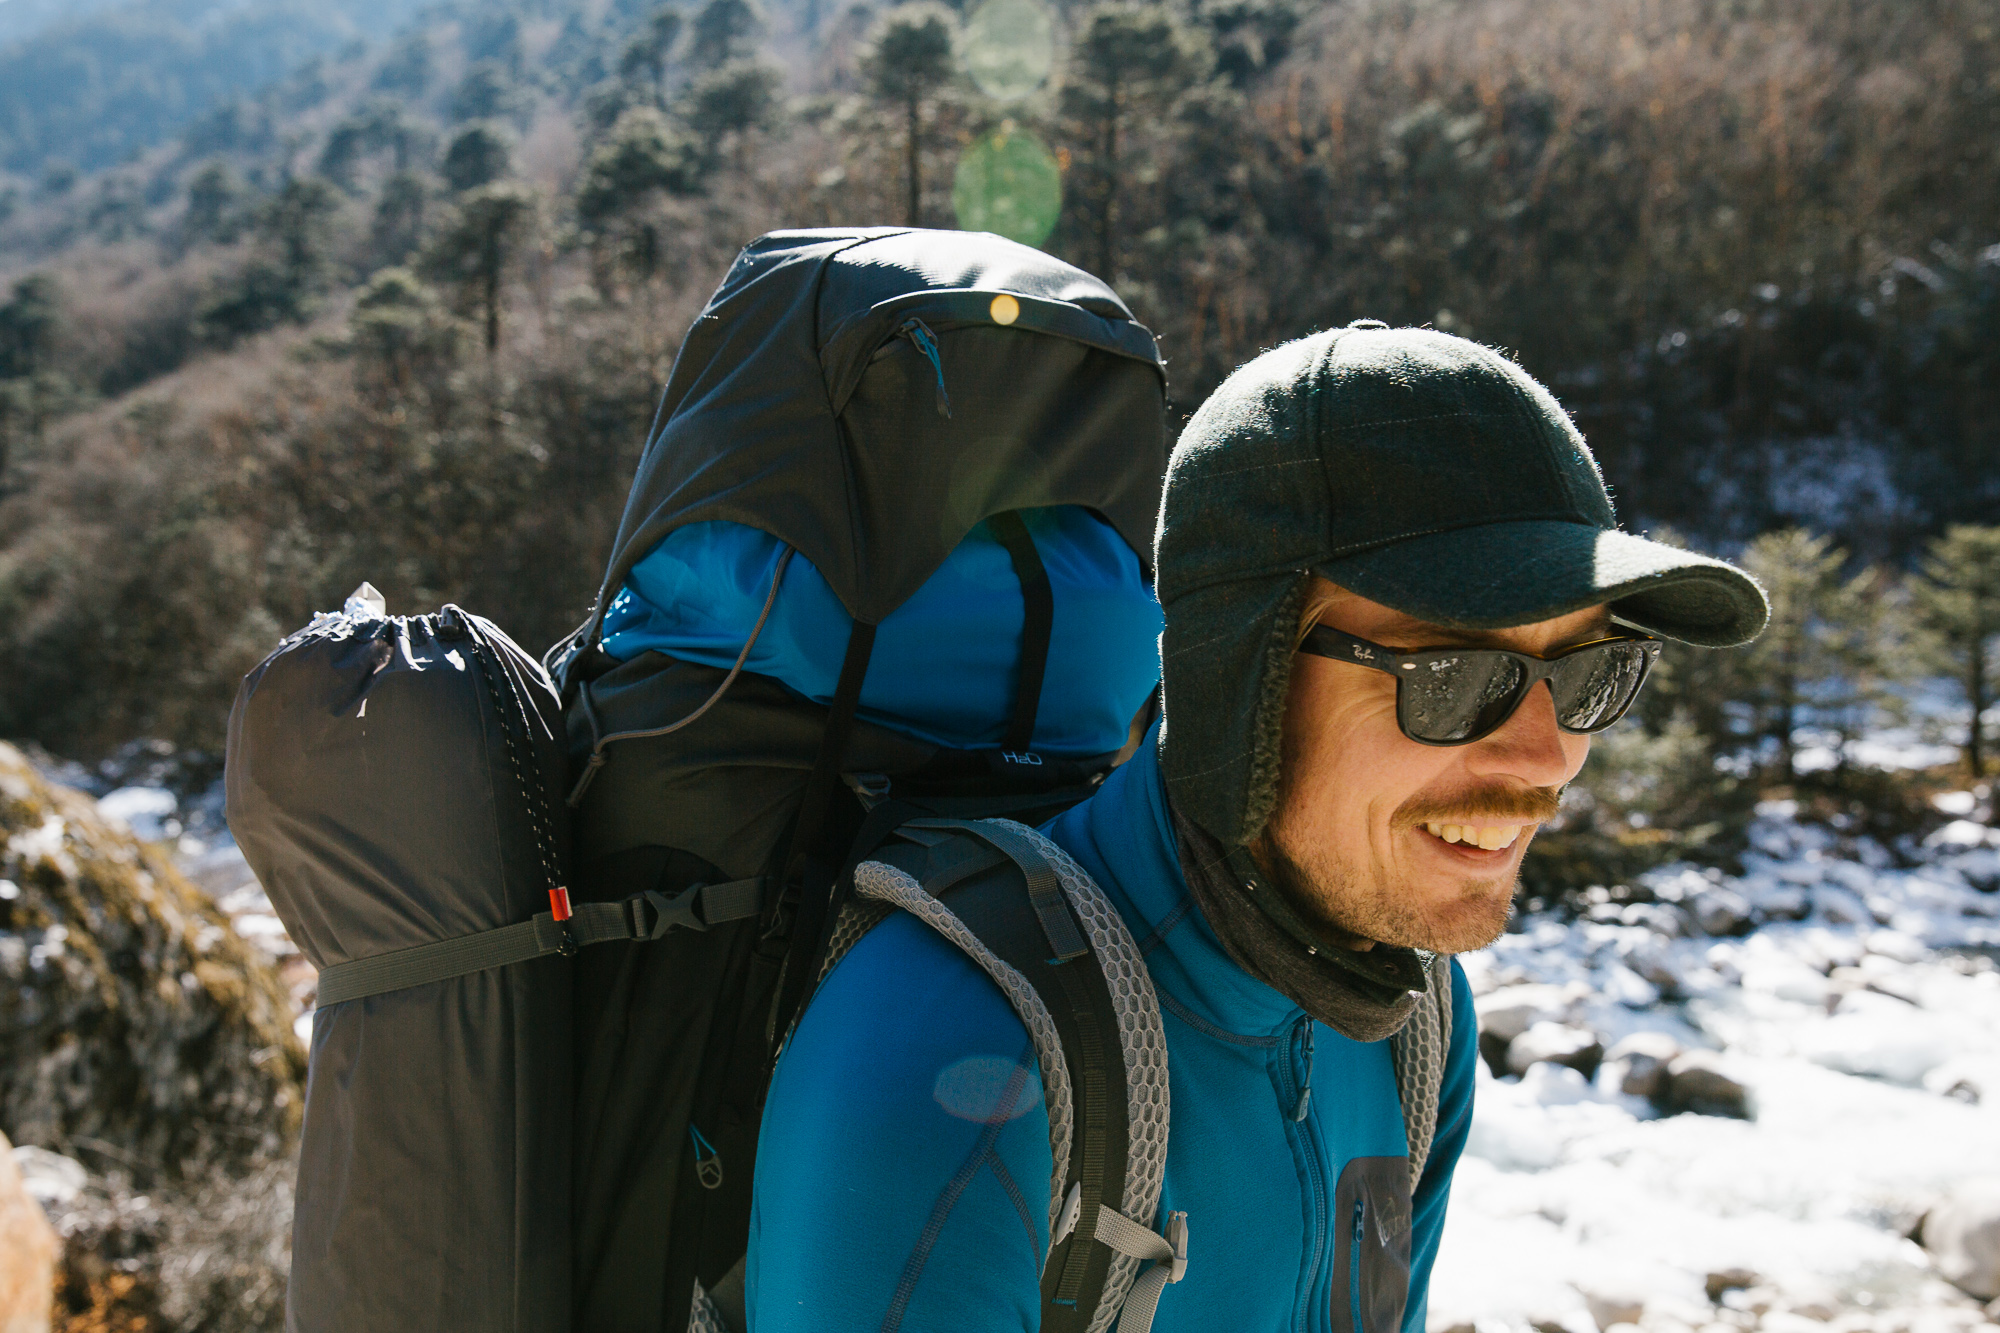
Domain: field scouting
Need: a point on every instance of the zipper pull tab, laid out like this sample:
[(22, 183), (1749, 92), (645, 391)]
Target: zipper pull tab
[(919, 334), (707, 1161), (1306, 1079)]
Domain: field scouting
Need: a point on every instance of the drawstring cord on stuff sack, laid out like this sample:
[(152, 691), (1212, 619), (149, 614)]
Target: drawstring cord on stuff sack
[(597, 757)]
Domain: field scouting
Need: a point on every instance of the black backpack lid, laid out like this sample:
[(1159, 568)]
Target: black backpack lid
[(794, 408)]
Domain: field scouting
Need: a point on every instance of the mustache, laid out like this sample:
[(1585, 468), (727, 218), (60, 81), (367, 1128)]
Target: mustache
[(1529, 804)]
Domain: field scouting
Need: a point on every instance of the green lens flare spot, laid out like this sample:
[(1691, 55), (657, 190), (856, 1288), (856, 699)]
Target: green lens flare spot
[(1010, 47), (1008, 184)]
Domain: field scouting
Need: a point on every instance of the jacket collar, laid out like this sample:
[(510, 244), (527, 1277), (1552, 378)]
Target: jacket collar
[(1124, 836)]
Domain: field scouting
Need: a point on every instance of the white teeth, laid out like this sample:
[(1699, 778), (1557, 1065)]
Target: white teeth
[(1491, 838)]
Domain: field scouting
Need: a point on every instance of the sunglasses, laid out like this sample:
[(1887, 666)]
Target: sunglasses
[(1455, 696)]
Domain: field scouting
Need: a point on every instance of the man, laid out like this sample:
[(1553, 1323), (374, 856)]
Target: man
[(1397, 604)]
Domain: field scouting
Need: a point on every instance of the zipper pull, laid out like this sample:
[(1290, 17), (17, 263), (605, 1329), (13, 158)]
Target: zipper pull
[(919, 334), (707, 1161), (1360, 1231), (1306, 1080)]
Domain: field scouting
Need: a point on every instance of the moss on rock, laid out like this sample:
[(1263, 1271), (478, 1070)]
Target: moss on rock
[(136, 1028)]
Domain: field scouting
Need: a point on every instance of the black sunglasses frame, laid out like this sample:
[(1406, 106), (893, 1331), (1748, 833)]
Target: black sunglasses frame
[(1336, 645)]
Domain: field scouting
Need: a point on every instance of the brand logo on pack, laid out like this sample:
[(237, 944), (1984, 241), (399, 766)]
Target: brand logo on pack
[(1022, 757)]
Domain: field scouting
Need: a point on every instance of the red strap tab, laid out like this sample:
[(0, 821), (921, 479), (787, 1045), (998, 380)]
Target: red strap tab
[(559, 904)]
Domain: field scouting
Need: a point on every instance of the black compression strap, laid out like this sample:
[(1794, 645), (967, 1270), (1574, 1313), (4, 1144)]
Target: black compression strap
[(1038, 603), (832, 743), (807, 871)]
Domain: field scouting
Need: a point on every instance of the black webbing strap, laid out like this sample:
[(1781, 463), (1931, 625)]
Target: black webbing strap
[(649, 916), (832, 745), (1044, 888), (1038, 604), (805, 863)]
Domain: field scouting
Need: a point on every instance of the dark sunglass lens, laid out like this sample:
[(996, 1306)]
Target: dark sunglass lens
[(1459, 696), (1595, 685)]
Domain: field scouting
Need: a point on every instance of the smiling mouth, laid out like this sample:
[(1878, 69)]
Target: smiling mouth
[(1486, 837)]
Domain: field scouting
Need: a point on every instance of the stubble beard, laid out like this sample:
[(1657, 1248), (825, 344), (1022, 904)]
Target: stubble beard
[(1355, 908)]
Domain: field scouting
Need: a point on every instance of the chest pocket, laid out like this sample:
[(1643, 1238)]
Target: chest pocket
[(1371, 1252)]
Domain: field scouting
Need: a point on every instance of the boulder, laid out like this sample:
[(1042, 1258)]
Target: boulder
[(28, 1250), (137, 1030), (1962, 1235), (1696, 1083), (1558, 1044), (1636, 1065), (1720, 911), (1506, 1013), (1610, 1305), (1728, 1279)]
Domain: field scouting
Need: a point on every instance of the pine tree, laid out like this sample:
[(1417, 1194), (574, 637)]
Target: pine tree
[(651, 50), (477, 245), (479, 154), (1801, 576), (642, 161), (725, 31), (213, 212), (1957, 601), (909, 59), (737, 98), (1131, 61)]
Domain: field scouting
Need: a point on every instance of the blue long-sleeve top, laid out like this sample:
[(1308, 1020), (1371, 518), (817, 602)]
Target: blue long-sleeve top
[(903, 1170)]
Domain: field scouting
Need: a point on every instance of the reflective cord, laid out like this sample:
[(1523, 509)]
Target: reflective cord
[(597, 750)]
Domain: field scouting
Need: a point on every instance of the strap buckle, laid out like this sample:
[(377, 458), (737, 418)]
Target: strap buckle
[(1177, 1239)]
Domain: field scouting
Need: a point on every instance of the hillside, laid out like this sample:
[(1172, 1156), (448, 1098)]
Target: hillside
[(400, 312)]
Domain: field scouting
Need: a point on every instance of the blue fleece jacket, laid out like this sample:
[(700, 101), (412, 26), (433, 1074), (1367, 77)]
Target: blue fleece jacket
[(902, 1175)]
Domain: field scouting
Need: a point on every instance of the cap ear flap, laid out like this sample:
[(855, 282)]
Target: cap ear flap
[(1267, 728)]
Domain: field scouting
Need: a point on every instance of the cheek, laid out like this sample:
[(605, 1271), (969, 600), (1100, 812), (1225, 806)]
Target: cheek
[(1348, 766), (1576, 749)]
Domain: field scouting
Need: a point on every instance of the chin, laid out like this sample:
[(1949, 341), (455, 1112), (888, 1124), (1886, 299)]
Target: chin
[(1467, 922)]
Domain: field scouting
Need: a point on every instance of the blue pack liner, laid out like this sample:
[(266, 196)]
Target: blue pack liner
[(944, 664)]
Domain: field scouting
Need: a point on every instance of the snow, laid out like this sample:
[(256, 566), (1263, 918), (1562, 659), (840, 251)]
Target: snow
[(1861, 1011), (1854, 998), (146, 811)]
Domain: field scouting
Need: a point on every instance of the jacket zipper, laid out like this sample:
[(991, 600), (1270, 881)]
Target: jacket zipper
[(1354, 1266), (1295, 1088), (921, 337)]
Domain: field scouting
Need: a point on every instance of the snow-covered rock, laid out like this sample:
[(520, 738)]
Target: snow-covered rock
[(1557, 1043), (1962, 1234), (1697, 1081)]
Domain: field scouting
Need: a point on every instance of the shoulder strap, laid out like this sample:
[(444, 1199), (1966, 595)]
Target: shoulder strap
[(1028, 914), (1420, 1052)]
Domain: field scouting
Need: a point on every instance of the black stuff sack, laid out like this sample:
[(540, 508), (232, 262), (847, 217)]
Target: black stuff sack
[(395, 783)]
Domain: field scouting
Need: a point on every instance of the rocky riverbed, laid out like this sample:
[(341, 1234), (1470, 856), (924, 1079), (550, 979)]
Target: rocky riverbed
[(1761, 1101)]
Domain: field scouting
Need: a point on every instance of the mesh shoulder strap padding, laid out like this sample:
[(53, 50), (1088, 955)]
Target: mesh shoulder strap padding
[(1108, 1120), (875, 882), (1420, 1051)]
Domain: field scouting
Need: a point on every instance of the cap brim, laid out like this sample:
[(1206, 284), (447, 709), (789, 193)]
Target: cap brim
[(1503, 574)]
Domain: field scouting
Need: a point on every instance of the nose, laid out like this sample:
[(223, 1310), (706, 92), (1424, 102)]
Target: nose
[(1528, 746)]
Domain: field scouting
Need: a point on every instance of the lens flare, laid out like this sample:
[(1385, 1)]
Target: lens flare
[(1010, 47), (1008, 184)]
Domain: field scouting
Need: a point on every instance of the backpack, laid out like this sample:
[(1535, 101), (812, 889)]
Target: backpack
[(867, 398)]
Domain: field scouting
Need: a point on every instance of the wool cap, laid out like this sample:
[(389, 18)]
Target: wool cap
[(1420, 470)]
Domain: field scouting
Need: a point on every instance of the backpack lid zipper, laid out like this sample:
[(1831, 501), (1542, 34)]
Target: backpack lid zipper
[(920, 335)]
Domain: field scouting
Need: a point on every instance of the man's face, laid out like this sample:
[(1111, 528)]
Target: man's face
[(1355, 839)]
